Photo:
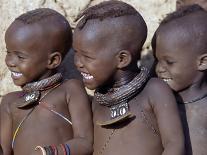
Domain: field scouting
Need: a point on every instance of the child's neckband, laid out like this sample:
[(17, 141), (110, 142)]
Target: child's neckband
[(32, 91), (44, 84), (123, 93), (124, 80), (117, 99), (193, 100)]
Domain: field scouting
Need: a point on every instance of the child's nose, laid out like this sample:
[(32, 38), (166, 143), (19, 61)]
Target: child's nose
[(160, 68), (77, 61), (10, 60)]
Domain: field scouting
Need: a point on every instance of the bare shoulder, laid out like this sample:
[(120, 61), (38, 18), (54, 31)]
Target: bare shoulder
[(72, 84), (9, 99), (156, 84), (75, 90), (158, 91)]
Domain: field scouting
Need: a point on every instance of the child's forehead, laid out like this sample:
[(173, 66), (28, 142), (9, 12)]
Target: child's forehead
[(23, 31), (25, 37), (173, 31), (172, 36), (96, 30)]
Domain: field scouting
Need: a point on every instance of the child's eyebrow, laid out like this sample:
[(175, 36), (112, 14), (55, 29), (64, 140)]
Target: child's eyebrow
[(85, 52), (21, 53)]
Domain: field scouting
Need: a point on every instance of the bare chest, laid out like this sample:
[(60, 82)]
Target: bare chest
[(133, 136), (40, 125)]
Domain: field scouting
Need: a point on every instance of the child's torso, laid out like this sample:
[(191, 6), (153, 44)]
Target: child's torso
[(194, 119), (138, 136), (42, 126)]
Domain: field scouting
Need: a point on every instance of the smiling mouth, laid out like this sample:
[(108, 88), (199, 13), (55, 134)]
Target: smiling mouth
[(166, 79), (16, 74), (86, 76)]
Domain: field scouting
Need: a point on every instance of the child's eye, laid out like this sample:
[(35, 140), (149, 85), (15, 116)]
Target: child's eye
[(8, 52), (20, 57), (88, 57), (169, 62)]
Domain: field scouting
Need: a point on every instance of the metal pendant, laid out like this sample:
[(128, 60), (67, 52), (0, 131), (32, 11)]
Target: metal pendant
[(119, 110), (29, 99)]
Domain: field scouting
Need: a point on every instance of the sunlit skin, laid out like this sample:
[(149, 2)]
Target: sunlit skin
[(32, 56), (23, 50), (182, 66), (105, 61)]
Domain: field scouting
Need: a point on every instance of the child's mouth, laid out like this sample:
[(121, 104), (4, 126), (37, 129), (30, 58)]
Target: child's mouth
[(86, 76), (16, 74), (166, 79)]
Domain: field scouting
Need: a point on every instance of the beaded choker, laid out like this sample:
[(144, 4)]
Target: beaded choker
[(117, 98), (32, 90)]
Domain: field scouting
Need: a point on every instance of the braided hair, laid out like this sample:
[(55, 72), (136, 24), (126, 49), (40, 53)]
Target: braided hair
[(104, 10)]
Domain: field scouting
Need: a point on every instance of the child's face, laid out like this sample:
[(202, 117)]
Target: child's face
[(26, 57), (176, 62), (93, 58)]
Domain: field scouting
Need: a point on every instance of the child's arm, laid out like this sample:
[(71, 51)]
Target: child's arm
[(168, 119), (1, 152), (6, 127), (81, 117)]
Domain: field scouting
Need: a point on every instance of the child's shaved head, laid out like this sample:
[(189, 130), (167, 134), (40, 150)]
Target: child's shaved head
[(117, 24), (191, 21), (58, 31)]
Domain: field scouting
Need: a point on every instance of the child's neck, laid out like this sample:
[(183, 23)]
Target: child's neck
[(194, 93), (32, 91), (124, 78), (124, 92), (43, 84)]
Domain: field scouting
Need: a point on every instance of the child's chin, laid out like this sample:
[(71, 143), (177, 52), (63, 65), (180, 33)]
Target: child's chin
[(90, 87), (18, 84)]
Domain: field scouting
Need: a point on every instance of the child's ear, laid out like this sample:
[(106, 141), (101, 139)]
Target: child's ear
[(202, 62), (54, 60), (124, 58)]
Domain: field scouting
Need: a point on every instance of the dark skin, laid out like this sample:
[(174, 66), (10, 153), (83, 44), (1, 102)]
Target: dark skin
[(27, 48), (182, 65), (180, 3), (1, 151), (106, 63)]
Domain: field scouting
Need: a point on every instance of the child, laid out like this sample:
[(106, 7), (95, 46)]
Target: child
[(180, 46), (49, 116), (132, 114)]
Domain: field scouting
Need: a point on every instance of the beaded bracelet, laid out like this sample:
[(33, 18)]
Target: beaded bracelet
[(67, 149), (42, 150), (52, 150), (55, 149), (64, 149)]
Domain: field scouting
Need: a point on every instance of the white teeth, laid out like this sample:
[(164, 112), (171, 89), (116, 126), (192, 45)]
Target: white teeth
[(87, 76), (15, 74), (166, 80)]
